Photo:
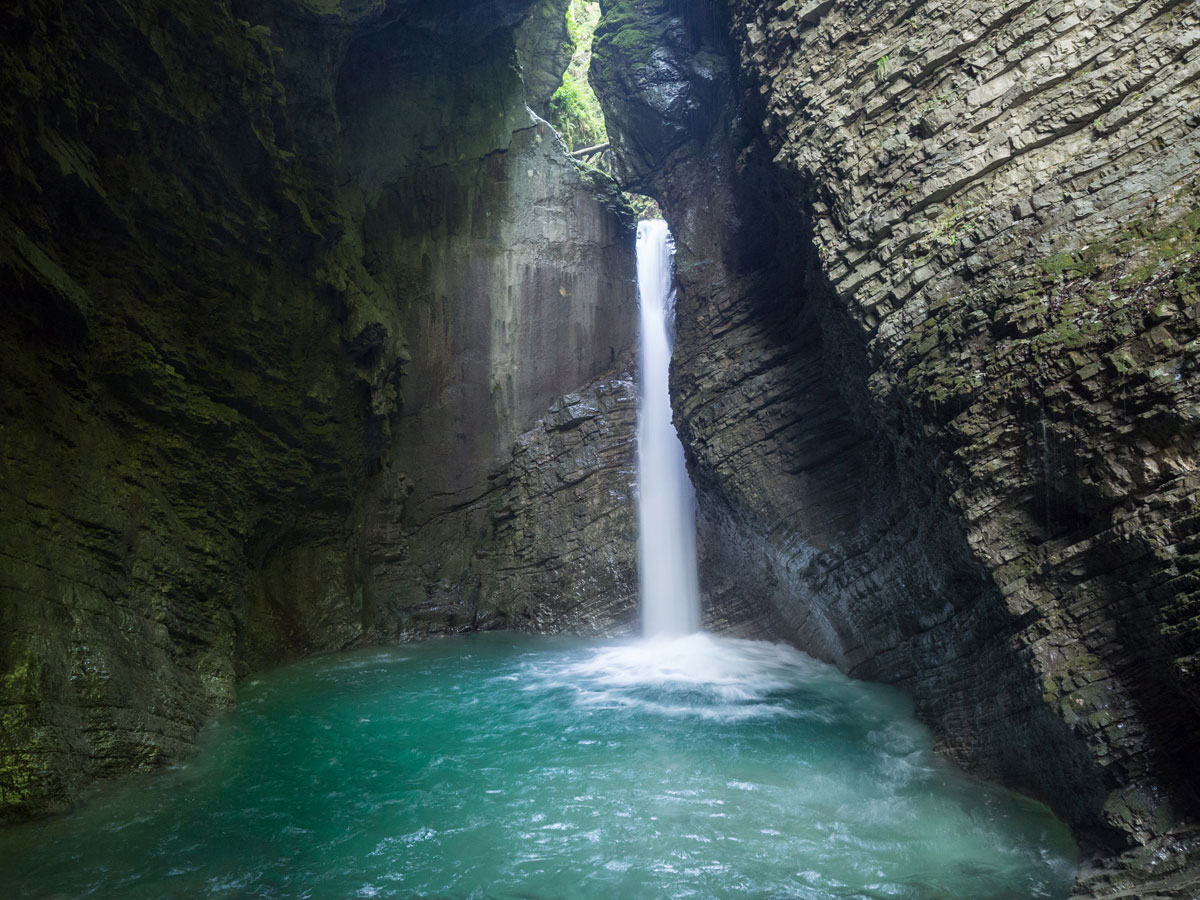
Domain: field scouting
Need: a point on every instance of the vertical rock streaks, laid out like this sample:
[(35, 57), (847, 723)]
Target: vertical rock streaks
[(311, 336)]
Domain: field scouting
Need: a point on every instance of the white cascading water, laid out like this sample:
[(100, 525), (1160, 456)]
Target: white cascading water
[(670, 590)]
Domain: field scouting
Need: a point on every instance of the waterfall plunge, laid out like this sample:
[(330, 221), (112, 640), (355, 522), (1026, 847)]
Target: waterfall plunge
[(670, 589)]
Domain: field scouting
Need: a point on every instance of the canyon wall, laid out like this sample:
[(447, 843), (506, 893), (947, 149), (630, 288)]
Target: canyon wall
[(312, 337), (936, 368), (308, 325)]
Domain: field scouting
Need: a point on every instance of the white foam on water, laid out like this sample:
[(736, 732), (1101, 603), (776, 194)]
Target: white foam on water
[(700, 675)]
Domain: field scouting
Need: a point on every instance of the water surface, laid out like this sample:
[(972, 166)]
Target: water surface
[(505, 766)]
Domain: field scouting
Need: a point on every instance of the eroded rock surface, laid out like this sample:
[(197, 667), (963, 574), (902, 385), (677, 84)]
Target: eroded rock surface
[(544, 51), (267, 268), (512, 285), (547, 540)]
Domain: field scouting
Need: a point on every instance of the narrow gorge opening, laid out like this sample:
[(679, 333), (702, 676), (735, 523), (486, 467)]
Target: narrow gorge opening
[(322, 403), (497, 765)]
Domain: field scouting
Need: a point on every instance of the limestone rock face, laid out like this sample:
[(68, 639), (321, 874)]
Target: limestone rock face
[(547, 540), (275, 275), (165, 253), (544, 51), (937, 376), (657, 81), (512, 286)]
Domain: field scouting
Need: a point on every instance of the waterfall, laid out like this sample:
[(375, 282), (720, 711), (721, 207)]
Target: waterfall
[(670, 591)]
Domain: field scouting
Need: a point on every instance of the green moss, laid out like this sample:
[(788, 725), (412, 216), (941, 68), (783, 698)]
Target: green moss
[(1122, 362), (574, 110), (22, 766), (633, 41), (1059, 264), (11, 681), (625, 36), (1110, 291), (1138, 251)]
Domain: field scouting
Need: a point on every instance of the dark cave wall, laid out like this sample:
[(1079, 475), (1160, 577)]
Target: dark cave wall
[(220, 375), (175, 391), (515, 287), (936, 367)]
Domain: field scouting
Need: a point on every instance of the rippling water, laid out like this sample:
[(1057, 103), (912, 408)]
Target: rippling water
[(504, 766)]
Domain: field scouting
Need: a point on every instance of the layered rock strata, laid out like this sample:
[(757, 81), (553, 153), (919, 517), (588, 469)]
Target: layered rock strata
[(262, 265), (936, 368), (546, 542)]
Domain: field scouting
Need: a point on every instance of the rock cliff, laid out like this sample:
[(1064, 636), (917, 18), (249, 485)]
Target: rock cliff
[(937, 367), (312, 336), (273, 279)]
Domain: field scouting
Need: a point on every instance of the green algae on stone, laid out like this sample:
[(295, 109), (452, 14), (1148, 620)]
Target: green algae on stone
[(574, 109)]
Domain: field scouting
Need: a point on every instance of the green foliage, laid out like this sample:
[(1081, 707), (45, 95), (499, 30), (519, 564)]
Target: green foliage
[(582, 16), (645, 207), (574, 109), (576, 114)]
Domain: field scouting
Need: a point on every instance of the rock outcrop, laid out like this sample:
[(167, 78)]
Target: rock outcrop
[(936, 368), (545, 542), (511, 285), (261, 266), (544, 51)]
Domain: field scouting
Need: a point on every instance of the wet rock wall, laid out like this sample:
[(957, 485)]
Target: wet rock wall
[(937, 300), (513, 287), (250, 301)]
